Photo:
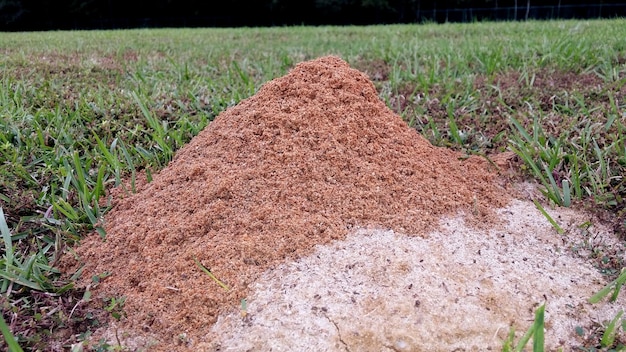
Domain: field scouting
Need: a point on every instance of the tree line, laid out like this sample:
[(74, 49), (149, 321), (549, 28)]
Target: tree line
[(88, 14)]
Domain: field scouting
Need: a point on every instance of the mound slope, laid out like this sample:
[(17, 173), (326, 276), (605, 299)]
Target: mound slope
[(310, 156)]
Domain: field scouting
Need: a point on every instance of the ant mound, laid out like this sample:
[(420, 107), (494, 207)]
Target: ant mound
[(311, 156)]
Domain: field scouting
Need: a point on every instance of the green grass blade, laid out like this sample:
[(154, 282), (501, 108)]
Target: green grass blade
[(524, 154), (454, 129), (111, 159), (524, 340), (538, 335), (522, 131), (208, 272), (80, 181), (131, 166), (556, 226), (618, 287), (609, 334), (507, 346), (567, 197), (553, 189), (66, 209), (99, 190), (576, 183), (8, 249), (160, 132), (535, 331), (89, 212), (602, 293), (613, 285), (8, 337), (6, 237), (620, 281), (20, 280), (614, 112)]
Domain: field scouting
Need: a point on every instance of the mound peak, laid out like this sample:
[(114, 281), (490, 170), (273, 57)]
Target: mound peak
[(312, 155)]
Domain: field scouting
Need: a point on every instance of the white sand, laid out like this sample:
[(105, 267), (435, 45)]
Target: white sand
[(459, 289)]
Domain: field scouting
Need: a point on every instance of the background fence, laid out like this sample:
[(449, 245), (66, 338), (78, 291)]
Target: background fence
[(583, 11), (259, 13)]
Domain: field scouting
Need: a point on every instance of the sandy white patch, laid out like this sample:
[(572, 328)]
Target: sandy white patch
[(458, 289)]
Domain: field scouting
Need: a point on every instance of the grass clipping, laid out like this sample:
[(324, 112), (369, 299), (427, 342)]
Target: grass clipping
[(312, 155)]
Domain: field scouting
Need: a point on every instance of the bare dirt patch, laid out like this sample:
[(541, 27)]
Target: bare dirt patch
[(313, 155)]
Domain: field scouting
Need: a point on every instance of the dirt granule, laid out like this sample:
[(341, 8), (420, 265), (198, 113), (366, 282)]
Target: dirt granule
[(312, 155)]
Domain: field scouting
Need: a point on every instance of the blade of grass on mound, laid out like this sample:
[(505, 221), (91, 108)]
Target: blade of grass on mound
[(556, 226), (538, 325), (208, 272), (614, 286), (535, 331), (608, 338)]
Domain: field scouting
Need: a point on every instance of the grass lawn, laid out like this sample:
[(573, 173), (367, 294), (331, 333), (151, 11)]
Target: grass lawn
[(81, 111)]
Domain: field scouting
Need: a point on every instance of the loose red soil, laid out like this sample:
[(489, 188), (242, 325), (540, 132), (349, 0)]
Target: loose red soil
[(310, 156)]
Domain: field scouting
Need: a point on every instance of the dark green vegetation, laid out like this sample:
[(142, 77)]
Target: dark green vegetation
[(81, 111)]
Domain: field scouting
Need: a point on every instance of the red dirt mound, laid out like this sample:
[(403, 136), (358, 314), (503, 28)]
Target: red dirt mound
[(310, 156)]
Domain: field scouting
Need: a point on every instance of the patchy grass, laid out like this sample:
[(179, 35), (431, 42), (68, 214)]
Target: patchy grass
[(82, 111)]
